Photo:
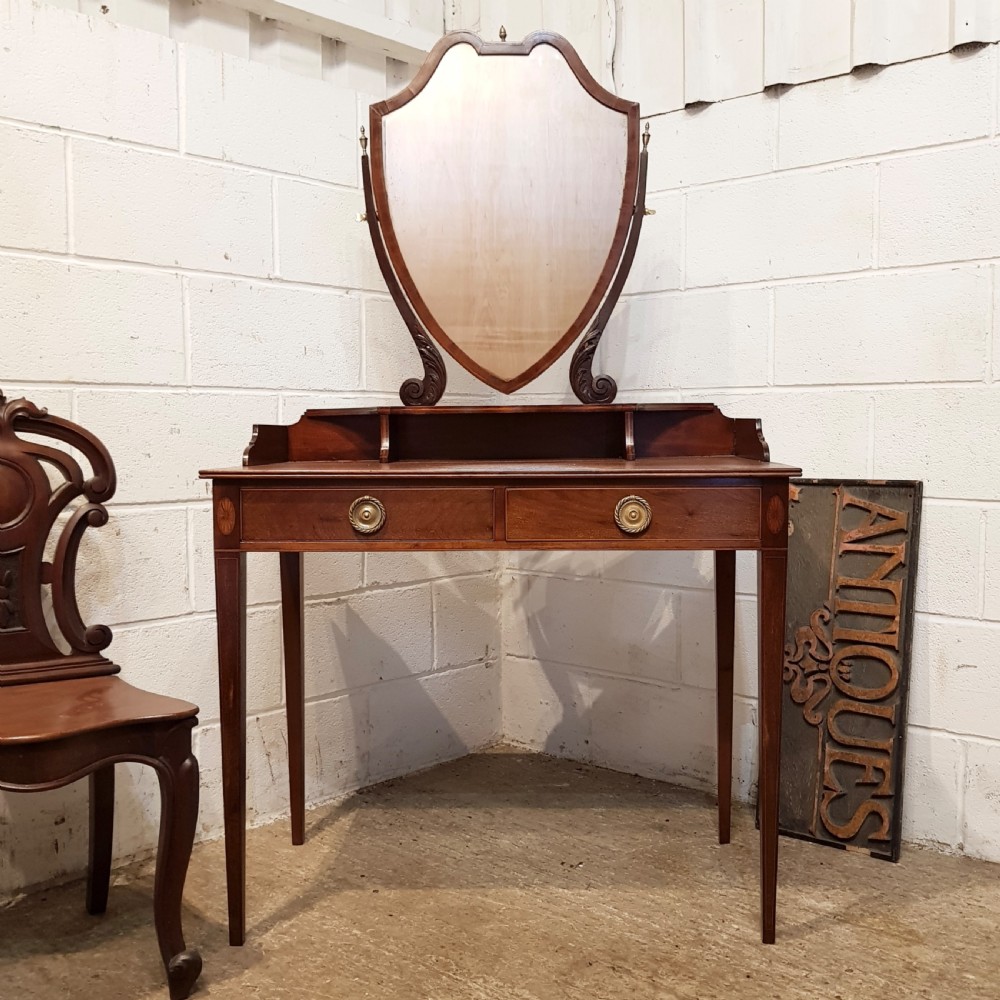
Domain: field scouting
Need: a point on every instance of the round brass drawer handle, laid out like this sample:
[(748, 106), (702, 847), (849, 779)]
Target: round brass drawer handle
[(366, 515), (633, 515)]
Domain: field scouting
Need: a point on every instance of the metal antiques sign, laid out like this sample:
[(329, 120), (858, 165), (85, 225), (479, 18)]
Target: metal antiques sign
[(852, 558)]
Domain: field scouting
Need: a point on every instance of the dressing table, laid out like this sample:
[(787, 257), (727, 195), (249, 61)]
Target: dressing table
[(504, 195)]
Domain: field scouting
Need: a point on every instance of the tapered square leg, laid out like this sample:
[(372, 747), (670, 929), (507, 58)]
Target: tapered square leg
[(230, 609), (771, 576), (102, 826), (725, 640), (294, 640)]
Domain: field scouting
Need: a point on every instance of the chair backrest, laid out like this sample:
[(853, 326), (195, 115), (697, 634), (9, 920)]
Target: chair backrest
[(29, 508)]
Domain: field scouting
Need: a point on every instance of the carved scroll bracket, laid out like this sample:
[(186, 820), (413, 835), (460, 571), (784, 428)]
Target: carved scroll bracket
[(603, 388), (414, 391)]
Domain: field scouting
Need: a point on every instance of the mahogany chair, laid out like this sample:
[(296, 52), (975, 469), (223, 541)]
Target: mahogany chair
[(64, 715)]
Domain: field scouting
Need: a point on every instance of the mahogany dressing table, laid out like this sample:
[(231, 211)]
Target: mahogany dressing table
[(504, 198)]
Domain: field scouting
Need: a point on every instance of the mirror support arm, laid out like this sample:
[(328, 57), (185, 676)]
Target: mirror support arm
[(413, 392), (603, 388)]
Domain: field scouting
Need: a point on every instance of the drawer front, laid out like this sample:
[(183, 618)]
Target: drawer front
[(305, 515), (677, 514)]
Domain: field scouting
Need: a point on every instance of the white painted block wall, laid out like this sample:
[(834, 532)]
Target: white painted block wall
[(179, 259), (825, 259)]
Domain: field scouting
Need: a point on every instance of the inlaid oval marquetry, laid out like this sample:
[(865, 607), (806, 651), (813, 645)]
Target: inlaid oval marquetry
[(16, 492), (225, 516), (775, 514)]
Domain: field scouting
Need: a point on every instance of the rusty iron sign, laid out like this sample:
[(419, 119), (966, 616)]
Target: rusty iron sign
[(852, 560)]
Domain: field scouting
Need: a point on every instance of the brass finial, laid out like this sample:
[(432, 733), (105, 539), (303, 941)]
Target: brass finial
[(364, 141), (503, 33), (645, 136)]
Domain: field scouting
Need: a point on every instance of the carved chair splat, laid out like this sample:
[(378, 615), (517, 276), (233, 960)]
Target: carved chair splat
[(65, 715)]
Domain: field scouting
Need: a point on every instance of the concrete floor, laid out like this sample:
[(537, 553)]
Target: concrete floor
[(514, 876)]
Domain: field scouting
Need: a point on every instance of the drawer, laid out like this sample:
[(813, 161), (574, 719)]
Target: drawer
[(677, 514), (307, 515)]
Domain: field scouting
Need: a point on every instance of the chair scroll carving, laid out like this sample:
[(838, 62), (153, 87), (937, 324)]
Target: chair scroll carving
[(29, 509)]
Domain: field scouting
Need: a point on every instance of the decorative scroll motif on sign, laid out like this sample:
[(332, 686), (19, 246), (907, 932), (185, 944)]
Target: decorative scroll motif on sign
[(852, 559)]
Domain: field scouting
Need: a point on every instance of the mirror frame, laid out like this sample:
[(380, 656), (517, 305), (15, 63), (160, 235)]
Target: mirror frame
[(414, 311)]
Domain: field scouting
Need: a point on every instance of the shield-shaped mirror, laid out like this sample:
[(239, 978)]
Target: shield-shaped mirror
[(504, 199)]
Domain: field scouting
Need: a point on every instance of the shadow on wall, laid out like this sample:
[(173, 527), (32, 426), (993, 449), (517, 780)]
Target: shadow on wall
[(593, 672), (375, 708)]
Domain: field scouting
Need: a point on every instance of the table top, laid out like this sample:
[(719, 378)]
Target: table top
[(674, 467)]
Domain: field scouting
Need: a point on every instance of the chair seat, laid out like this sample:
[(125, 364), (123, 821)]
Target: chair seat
[(52, 710)]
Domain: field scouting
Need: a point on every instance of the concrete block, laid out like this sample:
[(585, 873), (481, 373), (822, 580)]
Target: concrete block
[(841, 331), (824, 432), (246, 333), (723, 49), (649, 54), (991, 608), (980, 837), (68, 323), (781, 226), (45, 836), (975, 21), (137, 206), (213, 24), (330, 573), (581, 22), (699, 666), (161, 439), (367, 638), (320, 239), (658, 264), (557, 563), (621, 628), (679, 569), (745, 750), (466, 620), (255, 114), (336, 734), (806, 41), (135, 568), (950, 563), (955, 670), (891, 31), (179, 658), (659, 732), (698, 145), (88, 75), (920, 103), (55, 400), (939, 435), (286, 47), (146, 15), (957, 223), (546, 706), (419, 721), (385, 569), (32, 190), (717, 338), (352, 68), (932, 789), (746, 572)]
